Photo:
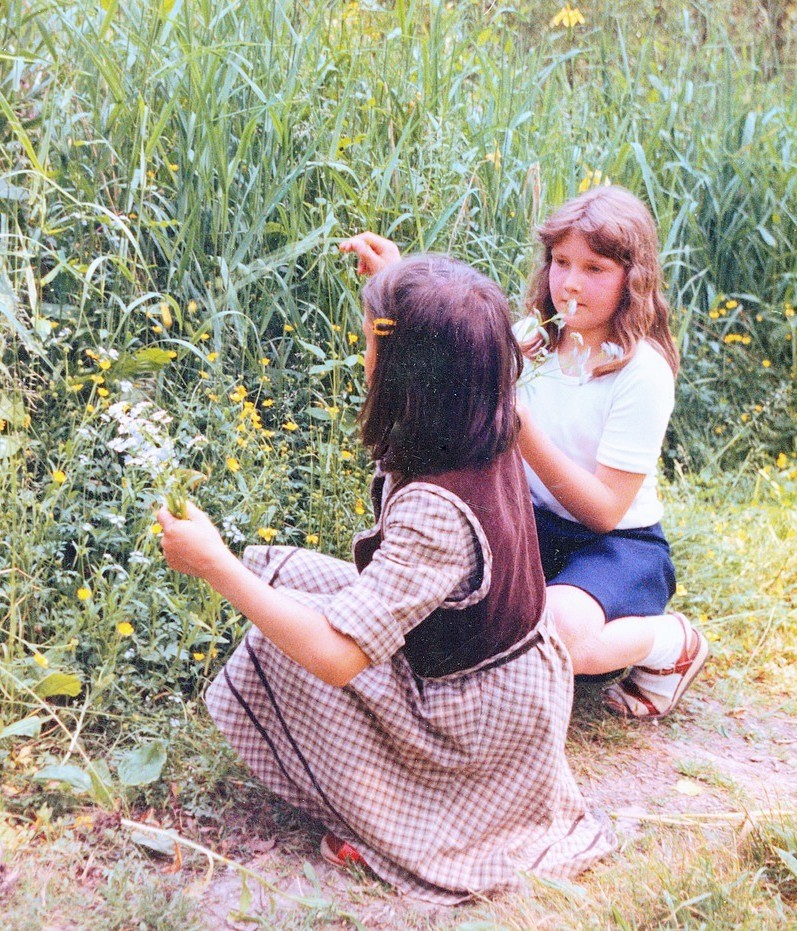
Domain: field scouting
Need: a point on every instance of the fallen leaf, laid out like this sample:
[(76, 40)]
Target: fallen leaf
[(688, 787)]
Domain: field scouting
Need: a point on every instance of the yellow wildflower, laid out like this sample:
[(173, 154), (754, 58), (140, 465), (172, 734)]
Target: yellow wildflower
[(333, 410), (346, 454), (84, 593), (311, 539), (97, 379), (204, 337), (232, 464), (290, 426), (288, 328), (359, 507), (733, 338), (173, 166), (267, 533), (157, 328), (40, 660), (353, 338), (714, 314), (76, 386), (569, 17), (191, 307), (199, 657), (238, 394), (59, 476), (782, 461), (731, 304), (267, 402), (103, 392), (125, 629), (766, 363), (212, 356), (166, 314), (593, 178), (156, 528), (265, 361)]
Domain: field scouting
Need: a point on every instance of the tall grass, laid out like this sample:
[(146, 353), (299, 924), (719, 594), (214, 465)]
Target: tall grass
[(175, 178)]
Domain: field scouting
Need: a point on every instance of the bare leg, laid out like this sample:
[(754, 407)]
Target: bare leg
[(596, 646)]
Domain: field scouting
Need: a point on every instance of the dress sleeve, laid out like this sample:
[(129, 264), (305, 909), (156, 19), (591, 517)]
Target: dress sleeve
[(428, 557)]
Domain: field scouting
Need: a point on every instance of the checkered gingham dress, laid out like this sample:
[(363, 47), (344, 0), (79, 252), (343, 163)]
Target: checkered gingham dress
[(449, 786)]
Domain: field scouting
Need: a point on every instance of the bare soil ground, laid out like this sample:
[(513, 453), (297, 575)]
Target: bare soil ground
[(707, 759)]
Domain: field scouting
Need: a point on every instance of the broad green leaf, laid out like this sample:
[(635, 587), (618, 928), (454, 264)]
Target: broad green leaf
[(100, 777), (159, 843), (9, 446), (143, 765), (67, 773), (27, 727), (12, 409), (58, 683)]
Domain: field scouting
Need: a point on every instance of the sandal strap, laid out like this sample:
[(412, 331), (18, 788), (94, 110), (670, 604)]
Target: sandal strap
[(630, 692)]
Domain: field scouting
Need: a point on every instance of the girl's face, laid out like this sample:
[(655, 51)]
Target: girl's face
[(593, 281)]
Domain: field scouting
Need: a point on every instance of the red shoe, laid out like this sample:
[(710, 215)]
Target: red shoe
[(340, 852)]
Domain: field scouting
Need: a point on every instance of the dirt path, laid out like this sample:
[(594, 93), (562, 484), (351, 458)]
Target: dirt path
[(707, 759)]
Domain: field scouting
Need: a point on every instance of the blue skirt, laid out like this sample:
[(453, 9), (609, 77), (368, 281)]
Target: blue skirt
[(628, 572)]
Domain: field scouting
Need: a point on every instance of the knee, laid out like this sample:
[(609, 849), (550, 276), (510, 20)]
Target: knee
[(578, 617)]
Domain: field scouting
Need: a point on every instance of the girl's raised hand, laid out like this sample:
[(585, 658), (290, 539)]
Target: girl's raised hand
[(192, 545), (532, 347), (373, 252)]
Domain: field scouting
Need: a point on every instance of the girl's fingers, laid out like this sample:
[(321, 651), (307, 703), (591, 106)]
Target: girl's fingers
[(165, 517)]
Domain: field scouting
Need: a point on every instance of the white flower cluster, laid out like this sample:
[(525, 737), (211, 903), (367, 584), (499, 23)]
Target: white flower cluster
[(142, 434)]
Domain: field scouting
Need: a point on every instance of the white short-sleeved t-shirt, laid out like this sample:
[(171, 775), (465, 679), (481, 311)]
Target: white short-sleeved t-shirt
[(618, 420)]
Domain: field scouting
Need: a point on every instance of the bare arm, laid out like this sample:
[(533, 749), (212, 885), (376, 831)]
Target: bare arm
[(598, 500), (194, 547)]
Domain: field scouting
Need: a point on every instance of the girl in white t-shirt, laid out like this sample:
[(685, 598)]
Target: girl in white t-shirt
[(593, 421)]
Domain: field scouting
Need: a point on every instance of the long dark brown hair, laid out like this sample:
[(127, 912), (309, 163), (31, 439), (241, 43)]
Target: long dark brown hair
[(617, 225), (442, 393)]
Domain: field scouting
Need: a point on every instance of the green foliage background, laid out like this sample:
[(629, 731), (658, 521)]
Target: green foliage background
[(175, 176)]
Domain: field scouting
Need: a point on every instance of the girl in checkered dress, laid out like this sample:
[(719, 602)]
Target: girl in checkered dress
[(415, 701)]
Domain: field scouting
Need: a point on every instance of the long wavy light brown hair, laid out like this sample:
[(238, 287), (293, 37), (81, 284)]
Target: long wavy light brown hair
[(617, 225), (442, 393)]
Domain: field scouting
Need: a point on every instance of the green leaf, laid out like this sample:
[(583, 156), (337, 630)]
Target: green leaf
[(143, 765), (9, 446), (73, 776), (160, 843), (27, 727), (58, 683), (12, 409), (789, 860)]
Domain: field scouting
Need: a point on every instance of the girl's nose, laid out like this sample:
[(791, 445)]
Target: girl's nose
[(572, 280)]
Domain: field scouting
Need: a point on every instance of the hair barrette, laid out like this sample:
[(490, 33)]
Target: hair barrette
[(383, 326)]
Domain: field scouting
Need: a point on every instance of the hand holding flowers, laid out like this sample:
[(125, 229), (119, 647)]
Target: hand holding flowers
[(192, 545)]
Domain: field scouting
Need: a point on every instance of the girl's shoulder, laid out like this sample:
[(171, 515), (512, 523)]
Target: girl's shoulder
[(649, 365)]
